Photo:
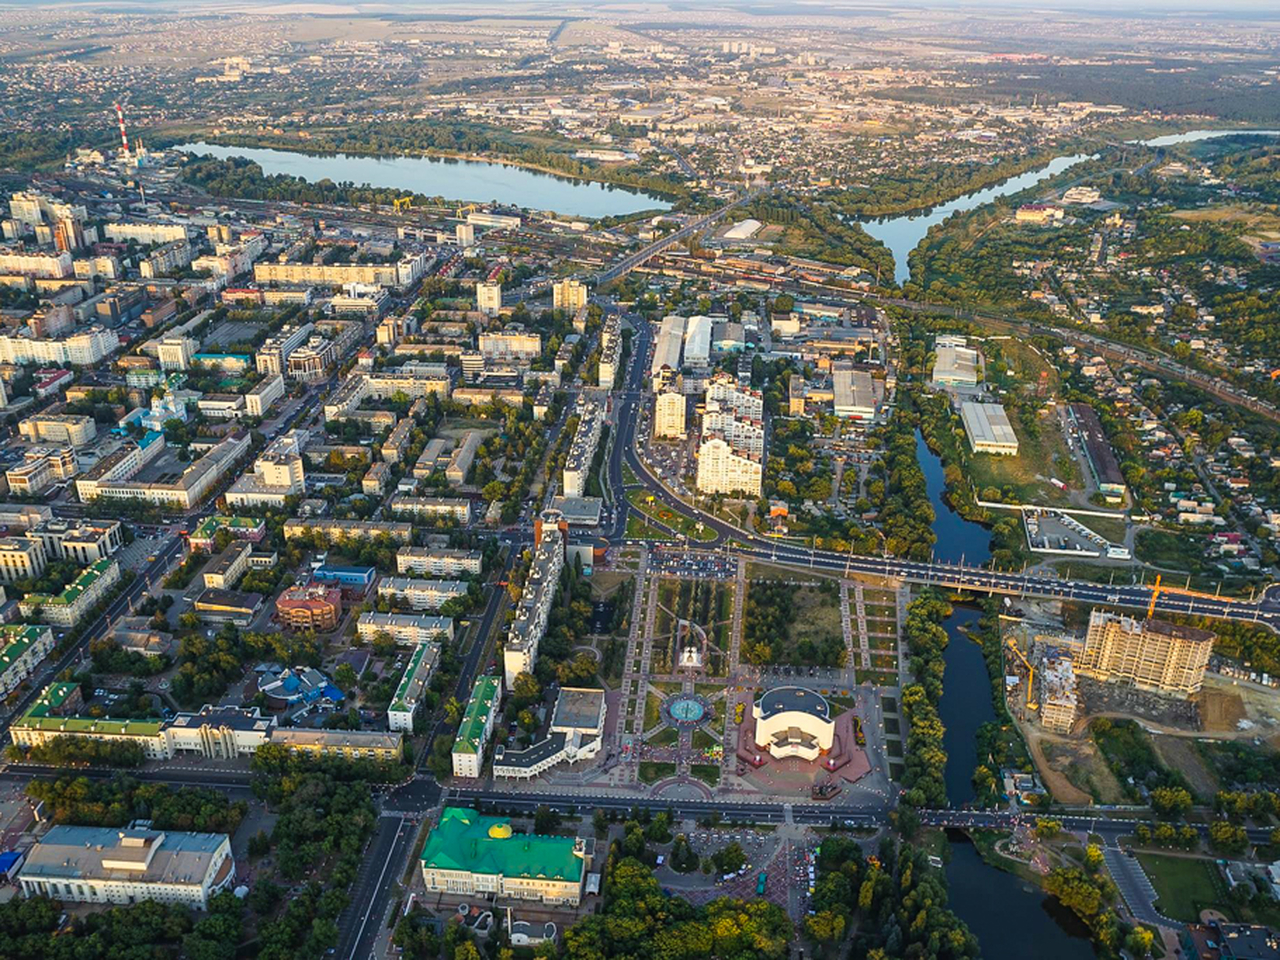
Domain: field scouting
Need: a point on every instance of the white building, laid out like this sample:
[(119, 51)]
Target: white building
[(577, 462), (669, 412), (83, 349), (520, 652), (125, 865), (576, 733), (22, 649), (989, 429), (263, 394), (697, 341), (955, 365), (793, 722), (175, 353), (438, 561), (278, 473), (511, 345), (854, 395), (421, 594), (65, 609), (744, 436), (405, 628), (408, 694), (476, 727), (489, 298), (568, 295), (720, 470)]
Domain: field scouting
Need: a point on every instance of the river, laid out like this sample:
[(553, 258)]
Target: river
[(903, 234), (470, 180), (1005, 913)]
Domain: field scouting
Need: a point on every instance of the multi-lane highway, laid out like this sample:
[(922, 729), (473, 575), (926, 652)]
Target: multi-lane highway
[(1263, 609)]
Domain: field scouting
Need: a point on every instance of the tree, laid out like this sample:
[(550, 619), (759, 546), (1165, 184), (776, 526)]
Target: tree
[(345, 677), (1170, 801), (452, 711), (1139, 941), (600, 824), (731, 859), (825, 926), (545, 820), (1093, 857), (525, 689)]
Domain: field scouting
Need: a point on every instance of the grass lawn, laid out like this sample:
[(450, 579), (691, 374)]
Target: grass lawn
[(669, 687), (638, 529), (882, 642), (666, 737), (629, 475), (652, 771), (652, 710), (708, 773), (879, 678), (1113, 530), (1015, 477), (665, 515), (1185, 886), (880, 611), (1095, 572), (773, 571), (892, 725), (703, 740), (817, 619)]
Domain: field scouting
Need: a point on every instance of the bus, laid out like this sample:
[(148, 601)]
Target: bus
[(760, 882)]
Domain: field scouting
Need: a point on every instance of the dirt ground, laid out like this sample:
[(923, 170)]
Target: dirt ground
[(1180, 754), (1071, 768), (1220, 709)]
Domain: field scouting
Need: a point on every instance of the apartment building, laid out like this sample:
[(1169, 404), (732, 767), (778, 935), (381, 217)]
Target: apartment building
[(582, 451), (568, 295), (83, 349), (65, 609), (22, 649), (441, 508), (744, 436), (354, 529), (1150, 654), (146, 233), (513, 345), (421, 594), (405, 628), (669, 410), (374, 482), (348, 744), (438, 561), (610, 351), (47, 266), (397, 441), (175, 353), (489, 298), (721, 470), (408, 695), (1058, 697), (520, 651), (744, 402), (407, 271), (476, 727)]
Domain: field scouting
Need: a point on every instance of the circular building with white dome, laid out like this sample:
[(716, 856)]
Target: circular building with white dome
[(793, 722)]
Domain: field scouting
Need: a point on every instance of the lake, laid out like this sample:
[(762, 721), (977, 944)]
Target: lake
[(903, 234), (470, 180)]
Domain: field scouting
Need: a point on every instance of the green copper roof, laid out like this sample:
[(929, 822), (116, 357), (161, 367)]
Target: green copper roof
[(77, 587), (210, 525), (41, 717), (471, 730), (465, 840), (16, 640)]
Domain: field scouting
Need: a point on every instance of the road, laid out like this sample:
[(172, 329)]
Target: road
[(958, 576)]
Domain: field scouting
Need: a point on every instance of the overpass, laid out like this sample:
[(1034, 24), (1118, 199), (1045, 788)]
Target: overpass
[(1263, 609)]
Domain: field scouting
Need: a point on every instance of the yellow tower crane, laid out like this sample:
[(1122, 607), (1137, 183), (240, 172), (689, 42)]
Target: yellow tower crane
[(1155, 592), (1032, 703), (402, 203)]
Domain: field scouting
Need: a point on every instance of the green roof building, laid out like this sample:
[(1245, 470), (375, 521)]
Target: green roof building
[(21, 651), (477, 725), (468, 854), (83, 593)]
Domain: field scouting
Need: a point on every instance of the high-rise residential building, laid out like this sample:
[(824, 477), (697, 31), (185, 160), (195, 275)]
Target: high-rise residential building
[(489, 298), (278, 473), (79, 349), (577, 463), (669, 412), (520, 651), (44, 265), (465, 234), (512, 344), (721, 470), (1150, 654), (1058, 698), (568, 295)]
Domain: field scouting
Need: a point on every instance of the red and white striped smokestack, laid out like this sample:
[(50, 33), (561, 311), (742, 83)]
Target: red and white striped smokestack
[(124, 139)]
